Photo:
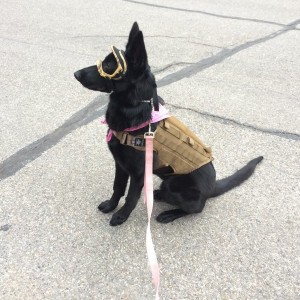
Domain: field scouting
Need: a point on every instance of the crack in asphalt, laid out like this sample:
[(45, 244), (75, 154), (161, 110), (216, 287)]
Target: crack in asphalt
[(92, 55), (150, 36), (97, 108), (222, 55), (5, 227), (166, 67), (45, 46), (205, 13), (208, 45), (21, 158), (228, 121)]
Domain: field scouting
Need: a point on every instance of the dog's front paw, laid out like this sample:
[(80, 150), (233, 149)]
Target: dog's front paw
[(118, 218), (107, 206)]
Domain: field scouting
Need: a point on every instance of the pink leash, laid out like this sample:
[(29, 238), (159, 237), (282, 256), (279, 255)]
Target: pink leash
[(148, 199), (148, 186)]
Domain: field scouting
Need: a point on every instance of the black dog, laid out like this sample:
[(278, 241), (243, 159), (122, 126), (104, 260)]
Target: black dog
[(128, 79)]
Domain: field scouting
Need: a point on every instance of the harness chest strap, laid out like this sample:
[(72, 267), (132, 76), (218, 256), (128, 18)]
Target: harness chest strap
[(135, 141)]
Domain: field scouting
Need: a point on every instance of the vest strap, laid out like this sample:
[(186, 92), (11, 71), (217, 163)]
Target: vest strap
[(138, 142)]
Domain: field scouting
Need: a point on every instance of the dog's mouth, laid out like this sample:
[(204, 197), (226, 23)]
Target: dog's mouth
[(77, 75), (81, 76)]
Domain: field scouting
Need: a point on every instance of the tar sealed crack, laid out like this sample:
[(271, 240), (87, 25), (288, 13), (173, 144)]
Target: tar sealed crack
[(5, 227)]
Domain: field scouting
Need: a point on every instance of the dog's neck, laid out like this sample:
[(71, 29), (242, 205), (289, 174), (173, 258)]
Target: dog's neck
[(125, 111)]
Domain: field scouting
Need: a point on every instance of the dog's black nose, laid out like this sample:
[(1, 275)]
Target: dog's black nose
[(78, 75)]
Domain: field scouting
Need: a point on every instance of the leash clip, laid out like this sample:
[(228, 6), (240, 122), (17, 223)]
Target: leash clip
[(149, 133)]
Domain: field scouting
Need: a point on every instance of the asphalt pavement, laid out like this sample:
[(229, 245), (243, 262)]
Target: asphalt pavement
[(230, 70)]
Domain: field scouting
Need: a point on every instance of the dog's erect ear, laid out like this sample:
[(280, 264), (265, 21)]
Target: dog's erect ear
[(133, 32), (136, 51)]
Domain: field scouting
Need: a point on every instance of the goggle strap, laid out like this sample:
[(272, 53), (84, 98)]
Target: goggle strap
[(121, 61), (120, 57), (155, 100)]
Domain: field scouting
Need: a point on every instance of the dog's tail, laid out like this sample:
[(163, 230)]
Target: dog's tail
[(228, 183)]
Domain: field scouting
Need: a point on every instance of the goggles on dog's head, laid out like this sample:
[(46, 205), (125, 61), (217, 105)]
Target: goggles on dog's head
[(121, 65)]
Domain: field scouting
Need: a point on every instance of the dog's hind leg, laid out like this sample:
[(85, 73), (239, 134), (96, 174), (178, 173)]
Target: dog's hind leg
[(184, 192), (170, 215), (188, 206), (120, 183), (134, 193)]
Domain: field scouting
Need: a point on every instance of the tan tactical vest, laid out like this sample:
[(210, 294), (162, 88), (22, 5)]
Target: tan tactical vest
[(176, 146)]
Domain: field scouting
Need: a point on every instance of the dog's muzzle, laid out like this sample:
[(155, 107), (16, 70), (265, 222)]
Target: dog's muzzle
[(121, 65)]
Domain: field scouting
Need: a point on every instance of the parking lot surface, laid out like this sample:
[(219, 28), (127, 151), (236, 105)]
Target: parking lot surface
[(230, 70)]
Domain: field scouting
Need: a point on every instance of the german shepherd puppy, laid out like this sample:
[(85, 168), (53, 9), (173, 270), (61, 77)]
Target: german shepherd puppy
[(127, 109)]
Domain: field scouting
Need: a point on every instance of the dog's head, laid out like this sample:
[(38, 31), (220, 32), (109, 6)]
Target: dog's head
[(120, 70)]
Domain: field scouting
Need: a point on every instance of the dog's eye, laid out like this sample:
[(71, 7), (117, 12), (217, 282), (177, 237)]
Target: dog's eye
[(108, 66)]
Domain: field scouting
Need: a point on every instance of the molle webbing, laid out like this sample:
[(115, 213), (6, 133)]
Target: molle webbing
[(176, 146), (179, 147)]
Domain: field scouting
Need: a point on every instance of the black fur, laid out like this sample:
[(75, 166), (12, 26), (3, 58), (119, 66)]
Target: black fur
[(125, 109)]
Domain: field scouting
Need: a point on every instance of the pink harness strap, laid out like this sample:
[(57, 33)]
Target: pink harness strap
[(156, 116)]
